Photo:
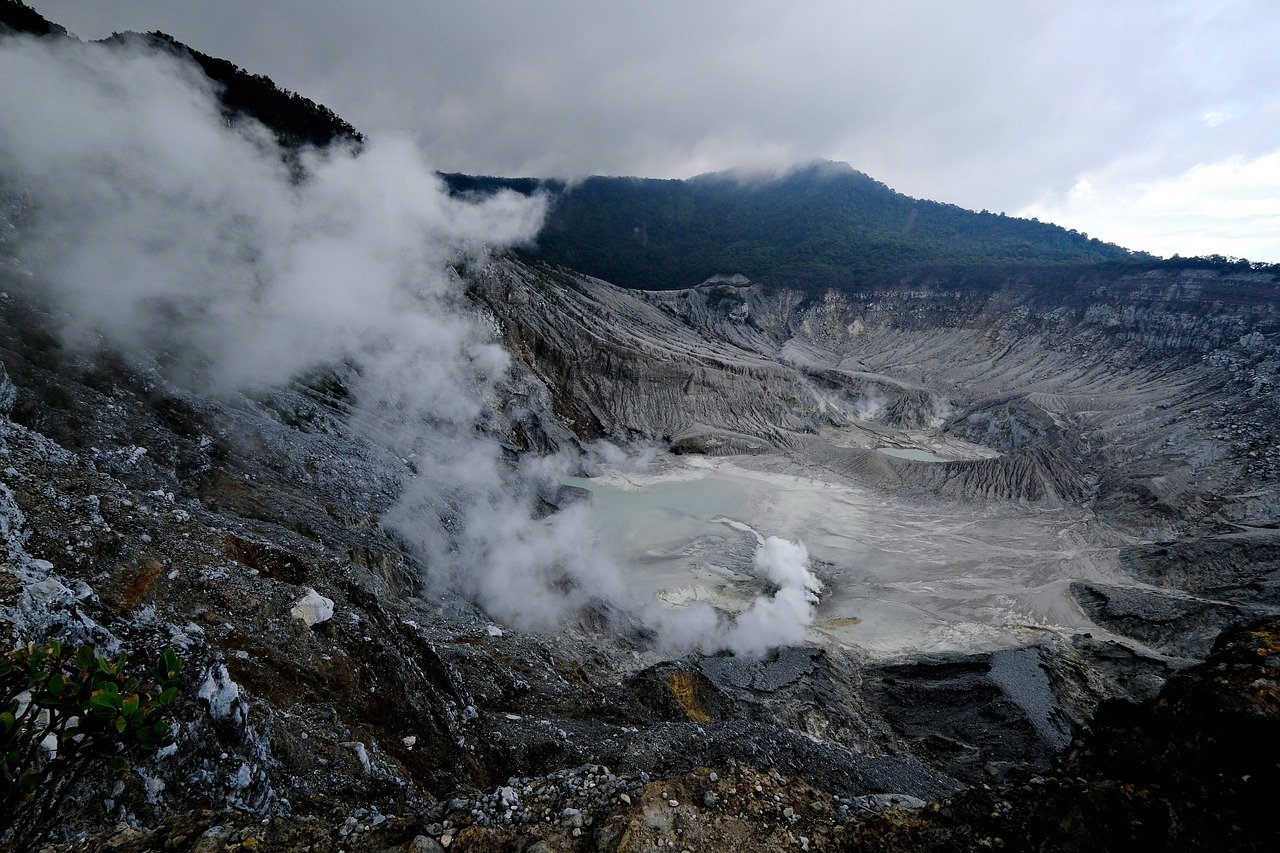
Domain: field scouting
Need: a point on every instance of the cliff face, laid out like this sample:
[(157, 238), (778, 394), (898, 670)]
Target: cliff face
[(1119, 391)]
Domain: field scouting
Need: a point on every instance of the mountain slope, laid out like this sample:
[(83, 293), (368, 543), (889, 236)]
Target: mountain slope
[(1118, 407), (821, 225), (18, 17), (293, 119)]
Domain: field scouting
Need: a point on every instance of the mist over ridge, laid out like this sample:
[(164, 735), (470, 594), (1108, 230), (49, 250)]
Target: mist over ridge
[(813, 226)]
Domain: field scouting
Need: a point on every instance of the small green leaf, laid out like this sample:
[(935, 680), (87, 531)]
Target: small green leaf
[(170, 663), (105, 699)]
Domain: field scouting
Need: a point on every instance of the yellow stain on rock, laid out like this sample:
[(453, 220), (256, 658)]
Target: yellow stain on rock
[(681, 686)]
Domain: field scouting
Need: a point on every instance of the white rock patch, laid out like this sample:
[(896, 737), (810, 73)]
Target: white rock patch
[(312, 609)]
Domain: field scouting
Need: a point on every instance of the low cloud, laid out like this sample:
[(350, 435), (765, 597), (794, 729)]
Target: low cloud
[(987, 104)]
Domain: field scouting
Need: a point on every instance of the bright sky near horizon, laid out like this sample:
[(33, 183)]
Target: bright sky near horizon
[(1152, 125)]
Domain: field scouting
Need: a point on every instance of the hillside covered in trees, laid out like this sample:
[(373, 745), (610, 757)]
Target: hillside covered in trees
[(295, 120), (823, 225)]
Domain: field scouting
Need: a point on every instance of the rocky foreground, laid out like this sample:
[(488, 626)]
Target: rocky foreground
[(1194, 768), (334, 701)]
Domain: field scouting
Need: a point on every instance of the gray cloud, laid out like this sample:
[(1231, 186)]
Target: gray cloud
[(987, 104)]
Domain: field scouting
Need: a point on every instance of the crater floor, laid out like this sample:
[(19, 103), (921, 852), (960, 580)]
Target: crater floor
[(902, 576)]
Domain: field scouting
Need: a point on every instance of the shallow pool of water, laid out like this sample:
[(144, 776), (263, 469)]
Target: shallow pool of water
[(901, 577), (639, 518)]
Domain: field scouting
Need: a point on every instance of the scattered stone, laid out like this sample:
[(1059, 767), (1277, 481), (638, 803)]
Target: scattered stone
[(312, 608)]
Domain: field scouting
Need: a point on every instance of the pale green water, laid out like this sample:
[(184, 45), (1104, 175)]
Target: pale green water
[(662, 512), (900, 576)]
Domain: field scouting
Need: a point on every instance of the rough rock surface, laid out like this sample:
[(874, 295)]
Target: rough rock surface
[(337, 696), (1145, 395), (336, 701), (1192, 769), (1142, 399), (138, 515)]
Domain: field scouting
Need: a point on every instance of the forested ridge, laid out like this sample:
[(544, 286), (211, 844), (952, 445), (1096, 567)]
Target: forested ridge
[(295, 120), (822, 225), (819, 226)]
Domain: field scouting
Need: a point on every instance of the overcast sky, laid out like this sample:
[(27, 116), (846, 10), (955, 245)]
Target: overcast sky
[(1152, 124)]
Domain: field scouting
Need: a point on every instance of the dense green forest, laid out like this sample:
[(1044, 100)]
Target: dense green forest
[(821, 225), (824, 225)]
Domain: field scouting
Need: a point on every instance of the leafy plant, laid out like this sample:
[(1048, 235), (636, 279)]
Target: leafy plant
[(63, 713)]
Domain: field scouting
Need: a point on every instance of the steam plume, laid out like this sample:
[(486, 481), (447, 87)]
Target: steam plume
[(159, 229), (186, 243)]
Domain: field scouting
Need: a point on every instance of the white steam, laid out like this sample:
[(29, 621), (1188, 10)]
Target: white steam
[(784, 618), (175, 236), (787, 565), (780, 619), (159, 229), (155, 226), (870, 406)]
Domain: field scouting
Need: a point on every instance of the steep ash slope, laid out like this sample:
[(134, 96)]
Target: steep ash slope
[(1145, 400), (1152, 370), (140, 516)]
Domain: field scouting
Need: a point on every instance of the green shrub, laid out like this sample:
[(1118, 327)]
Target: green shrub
[(64, 713)]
